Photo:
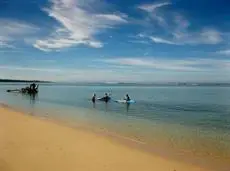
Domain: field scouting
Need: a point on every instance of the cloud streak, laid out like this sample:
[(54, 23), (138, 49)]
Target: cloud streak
[(160, 40), (78, 25), (60, 74), (194, 65), (206, 36), (29, 69), (224, 52), (128, 70), (13, 30), (154, 13), (152, 7), (175, 29)]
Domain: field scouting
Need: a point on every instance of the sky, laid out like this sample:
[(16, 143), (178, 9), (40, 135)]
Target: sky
[(115, 40)]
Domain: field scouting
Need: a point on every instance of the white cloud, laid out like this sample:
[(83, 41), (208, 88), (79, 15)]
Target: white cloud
[(160, 40), (176, 27), (210, 36), (182, 35), (173, 65), (29, 69), (78, 25), (15, 28), (224, 52), (154, 13), (61, 74), (112, 17), (4, 43), (151, 7), (128, 70), (206, 36), (12, 30), (139, 41), (95, 44)]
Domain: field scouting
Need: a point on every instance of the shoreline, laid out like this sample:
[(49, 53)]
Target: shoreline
[(29, 143), (128, 144)]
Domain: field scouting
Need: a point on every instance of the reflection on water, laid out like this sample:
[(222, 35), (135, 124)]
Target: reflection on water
[(127, 107), (33, 98)]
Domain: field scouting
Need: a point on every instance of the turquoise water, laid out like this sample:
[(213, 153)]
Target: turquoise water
[(194, 118)]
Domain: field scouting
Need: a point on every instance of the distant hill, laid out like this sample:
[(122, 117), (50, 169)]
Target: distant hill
[(22, 81)]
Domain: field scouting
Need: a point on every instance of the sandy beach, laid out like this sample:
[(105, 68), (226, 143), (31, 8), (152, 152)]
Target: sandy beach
[(28, 143)]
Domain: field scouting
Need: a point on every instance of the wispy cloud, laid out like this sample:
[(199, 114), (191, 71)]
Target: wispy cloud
[(160, 40), (29, 69), (4, 43), (60, 74), (12, 30), (175, 28), (206, 36), (173, 65), (78, 25), (139, 41), (224, 52), (154, 13), (151, 7), (16, 28), (126, 70)]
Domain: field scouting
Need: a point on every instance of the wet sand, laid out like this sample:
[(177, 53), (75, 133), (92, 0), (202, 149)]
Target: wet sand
[(33, 144)]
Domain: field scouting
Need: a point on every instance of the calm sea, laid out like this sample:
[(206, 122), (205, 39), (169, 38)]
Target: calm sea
[(195, 120)]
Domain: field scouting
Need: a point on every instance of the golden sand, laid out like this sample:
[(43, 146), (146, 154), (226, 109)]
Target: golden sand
[(32, 144)]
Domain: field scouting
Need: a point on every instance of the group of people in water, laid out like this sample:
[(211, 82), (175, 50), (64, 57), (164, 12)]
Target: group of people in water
[(106, 98), (32, 88)]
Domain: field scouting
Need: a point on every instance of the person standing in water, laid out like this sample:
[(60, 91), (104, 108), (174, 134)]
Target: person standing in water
[(106, 98), (94, 98), (32, 86), (127, 98)]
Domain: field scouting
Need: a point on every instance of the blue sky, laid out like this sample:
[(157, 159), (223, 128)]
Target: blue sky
[(115, 40)]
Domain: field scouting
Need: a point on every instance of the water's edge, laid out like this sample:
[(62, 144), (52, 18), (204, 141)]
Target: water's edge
[(133, 141)]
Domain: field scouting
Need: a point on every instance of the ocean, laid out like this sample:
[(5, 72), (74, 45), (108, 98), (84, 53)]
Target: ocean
[(192, 121)]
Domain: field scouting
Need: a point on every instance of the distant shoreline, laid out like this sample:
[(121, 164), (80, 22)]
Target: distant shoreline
[(171, 84), (22, 81)]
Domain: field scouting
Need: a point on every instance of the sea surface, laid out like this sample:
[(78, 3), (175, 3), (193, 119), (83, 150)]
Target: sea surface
[(194, 121)]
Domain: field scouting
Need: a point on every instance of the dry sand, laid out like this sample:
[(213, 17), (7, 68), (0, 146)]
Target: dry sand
[(32, 144)]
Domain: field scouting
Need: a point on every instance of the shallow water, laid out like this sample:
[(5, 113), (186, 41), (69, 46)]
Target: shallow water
[(194, 120)]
